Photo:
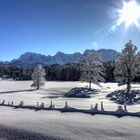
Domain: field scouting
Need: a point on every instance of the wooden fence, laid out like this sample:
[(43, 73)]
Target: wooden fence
[(121, 111)]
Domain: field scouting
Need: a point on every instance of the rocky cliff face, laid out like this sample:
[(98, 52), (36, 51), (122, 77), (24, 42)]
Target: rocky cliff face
[(30, 59)]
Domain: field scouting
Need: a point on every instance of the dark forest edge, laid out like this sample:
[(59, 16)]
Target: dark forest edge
[(57, 72)]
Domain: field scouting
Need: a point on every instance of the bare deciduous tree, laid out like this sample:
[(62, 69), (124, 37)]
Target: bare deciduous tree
[(38, 77)]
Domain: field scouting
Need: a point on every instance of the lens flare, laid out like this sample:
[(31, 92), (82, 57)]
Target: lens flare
[(129, 14)]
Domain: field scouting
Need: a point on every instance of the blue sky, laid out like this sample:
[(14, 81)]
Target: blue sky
[(49, 26)]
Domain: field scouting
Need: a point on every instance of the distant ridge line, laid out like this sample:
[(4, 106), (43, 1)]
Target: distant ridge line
[(30, 59)]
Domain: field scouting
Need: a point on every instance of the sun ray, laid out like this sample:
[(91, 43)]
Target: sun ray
[(129, 14)]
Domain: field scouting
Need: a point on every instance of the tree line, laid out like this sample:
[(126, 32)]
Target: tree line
[(74, 71), (56, 72)]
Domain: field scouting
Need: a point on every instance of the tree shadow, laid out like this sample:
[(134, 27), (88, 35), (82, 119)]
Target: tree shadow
[(9, 133), (15, 91), (51, 97)]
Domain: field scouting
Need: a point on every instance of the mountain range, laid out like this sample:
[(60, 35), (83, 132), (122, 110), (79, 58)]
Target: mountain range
[(30, 59)]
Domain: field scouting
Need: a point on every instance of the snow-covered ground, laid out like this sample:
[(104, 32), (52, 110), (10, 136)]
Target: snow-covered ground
[(74, 126)]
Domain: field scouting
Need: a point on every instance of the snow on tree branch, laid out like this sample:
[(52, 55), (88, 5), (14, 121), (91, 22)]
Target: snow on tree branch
[(127, 65), (38, 77), (92, 69)]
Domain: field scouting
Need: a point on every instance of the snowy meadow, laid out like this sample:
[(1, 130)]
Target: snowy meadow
[(54, 124), (70, 70)]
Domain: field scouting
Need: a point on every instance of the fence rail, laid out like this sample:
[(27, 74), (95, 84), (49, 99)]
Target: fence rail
[(120, 111)]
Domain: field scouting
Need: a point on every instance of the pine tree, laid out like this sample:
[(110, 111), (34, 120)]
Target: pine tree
[(109, 71), (92, 69), (38, 77), (127, 64)]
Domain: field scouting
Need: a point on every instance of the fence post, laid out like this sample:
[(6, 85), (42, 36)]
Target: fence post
[(96, 106), (51, 104), (102, 106), (91, 107), (37, 104), (3, 102), (66, 104), (12, 103), (125, 108)]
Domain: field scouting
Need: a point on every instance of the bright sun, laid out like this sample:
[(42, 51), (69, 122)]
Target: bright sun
[(130, 13)]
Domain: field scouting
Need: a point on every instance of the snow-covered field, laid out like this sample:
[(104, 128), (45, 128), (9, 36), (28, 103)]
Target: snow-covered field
[(74, 126)]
